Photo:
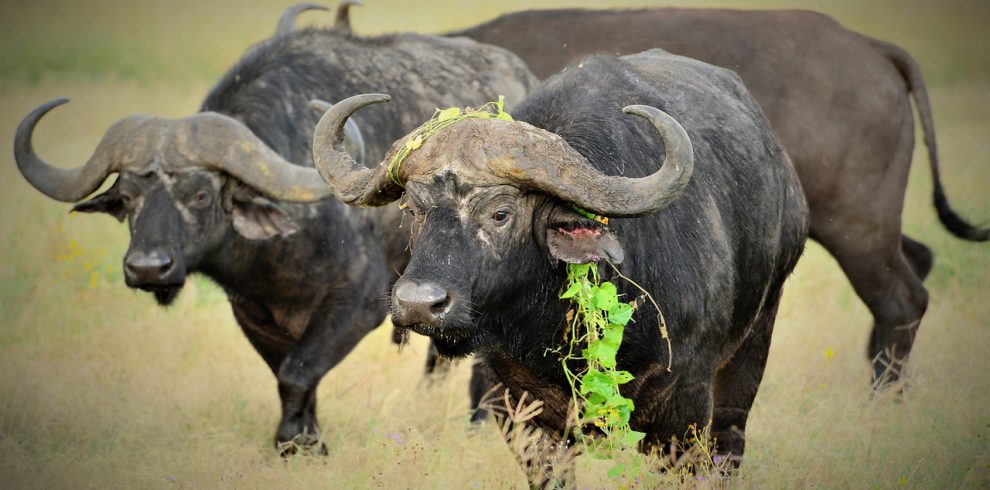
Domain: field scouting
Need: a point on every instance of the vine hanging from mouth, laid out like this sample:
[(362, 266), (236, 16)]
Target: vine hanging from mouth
[(596, 323)]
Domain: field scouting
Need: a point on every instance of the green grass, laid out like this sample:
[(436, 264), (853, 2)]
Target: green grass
[(101, 388)]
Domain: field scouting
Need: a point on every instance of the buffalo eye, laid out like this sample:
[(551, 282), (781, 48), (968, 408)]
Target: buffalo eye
[(500, 217), (413, 210), (200, 199), (126, 199)]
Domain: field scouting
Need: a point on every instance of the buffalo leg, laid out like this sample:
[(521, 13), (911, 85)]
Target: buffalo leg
[(545, 457), (678, 403), (325, 343), (256, 322), (436, 365), (918, 255), (883, 278), (736, 385), (481, 384), (856, 215)]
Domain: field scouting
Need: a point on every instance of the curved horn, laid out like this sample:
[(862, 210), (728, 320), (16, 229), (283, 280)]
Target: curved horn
[(353, 139), (219, 142), (287, 22), (349, 180), (343, 21), (567, 174), (628, 197), (206, 139), (69, 185)]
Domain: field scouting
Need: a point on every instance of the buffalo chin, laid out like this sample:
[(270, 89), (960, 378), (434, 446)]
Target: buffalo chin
[(164, 295), (451, 343)]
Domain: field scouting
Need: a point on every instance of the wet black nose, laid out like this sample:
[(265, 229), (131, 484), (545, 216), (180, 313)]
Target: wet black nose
[(419, 303), (143, 268)]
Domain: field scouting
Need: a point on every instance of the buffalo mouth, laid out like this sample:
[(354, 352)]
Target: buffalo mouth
[(451, 342), (165, 294)]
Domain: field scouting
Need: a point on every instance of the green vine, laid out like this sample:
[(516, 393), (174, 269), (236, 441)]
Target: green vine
[(597, 322), (441, 119)]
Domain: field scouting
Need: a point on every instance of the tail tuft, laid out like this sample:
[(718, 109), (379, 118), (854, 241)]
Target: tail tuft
[(954, 223)]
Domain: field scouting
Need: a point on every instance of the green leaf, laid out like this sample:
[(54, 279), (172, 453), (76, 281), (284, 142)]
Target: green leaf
[(613, 335), (597, 382), (632, 438), (594, 400), (602, 352), (620, 314), (448, 113), (618, 401), (605, 296), (571, 291), (622, 377), (579, 270)]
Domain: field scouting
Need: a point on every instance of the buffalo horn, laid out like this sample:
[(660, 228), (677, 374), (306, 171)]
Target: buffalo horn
[(350, 181), (69, 185), (619, 196), (353, 139), (287, 22), (343, 21)]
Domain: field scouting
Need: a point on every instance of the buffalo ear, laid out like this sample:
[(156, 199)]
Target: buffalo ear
[(583, 244), (257, 218), (109, 202)]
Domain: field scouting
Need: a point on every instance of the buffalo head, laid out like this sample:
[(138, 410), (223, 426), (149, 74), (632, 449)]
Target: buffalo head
[(493, 216), (184, 186)]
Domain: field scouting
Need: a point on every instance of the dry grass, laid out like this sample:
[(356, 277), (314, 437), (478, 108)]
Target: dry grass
[(101, 388)]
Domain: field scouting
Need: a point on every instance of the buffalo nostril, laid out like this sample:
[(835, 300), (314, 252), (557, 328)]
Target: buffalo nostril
[(440, 307), (148, 267), (421, 303), (166, 266)]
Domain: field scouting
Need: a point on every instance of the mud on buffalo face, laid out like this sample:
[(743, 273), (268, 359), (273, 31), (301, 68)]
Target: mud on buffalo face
[(481, 249), (184, 186), (491, 204), (176, 219)]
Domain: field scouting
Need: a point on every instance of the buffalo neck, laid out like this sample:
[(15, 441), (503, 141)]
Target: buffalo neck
[(297, 269)]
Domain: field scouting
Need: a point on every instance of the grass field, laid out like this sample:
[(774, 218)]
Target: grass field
[(101, 388)]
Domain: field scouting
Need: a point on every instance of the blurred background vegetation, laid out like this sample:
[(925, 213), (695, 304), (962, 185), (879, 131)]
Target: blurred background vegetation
[(182, 41), (101, 388)]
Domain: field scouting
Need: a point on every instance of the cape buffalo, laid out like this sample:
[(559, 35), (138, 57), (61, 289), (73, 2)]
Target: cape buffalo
[(711, 235), (837, 100), (230, 192)]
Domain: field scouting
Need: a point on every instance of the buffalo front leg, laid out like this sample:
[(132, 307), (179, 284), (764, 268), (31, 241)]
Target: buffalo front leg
[(668, 407), (545, 457), (326, 341), (481, 385), (736, 385), (437, 367)]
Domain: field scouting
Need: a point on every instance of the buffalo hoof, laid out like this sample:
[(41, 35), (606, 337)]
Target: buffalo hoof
[(480, 416), (302, 444)]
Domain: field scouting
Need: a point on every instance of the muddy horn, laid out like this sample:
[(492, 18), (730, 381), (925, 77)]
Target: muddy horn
[(349, 180), (617, 196), (353, 138), (562, 171)]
